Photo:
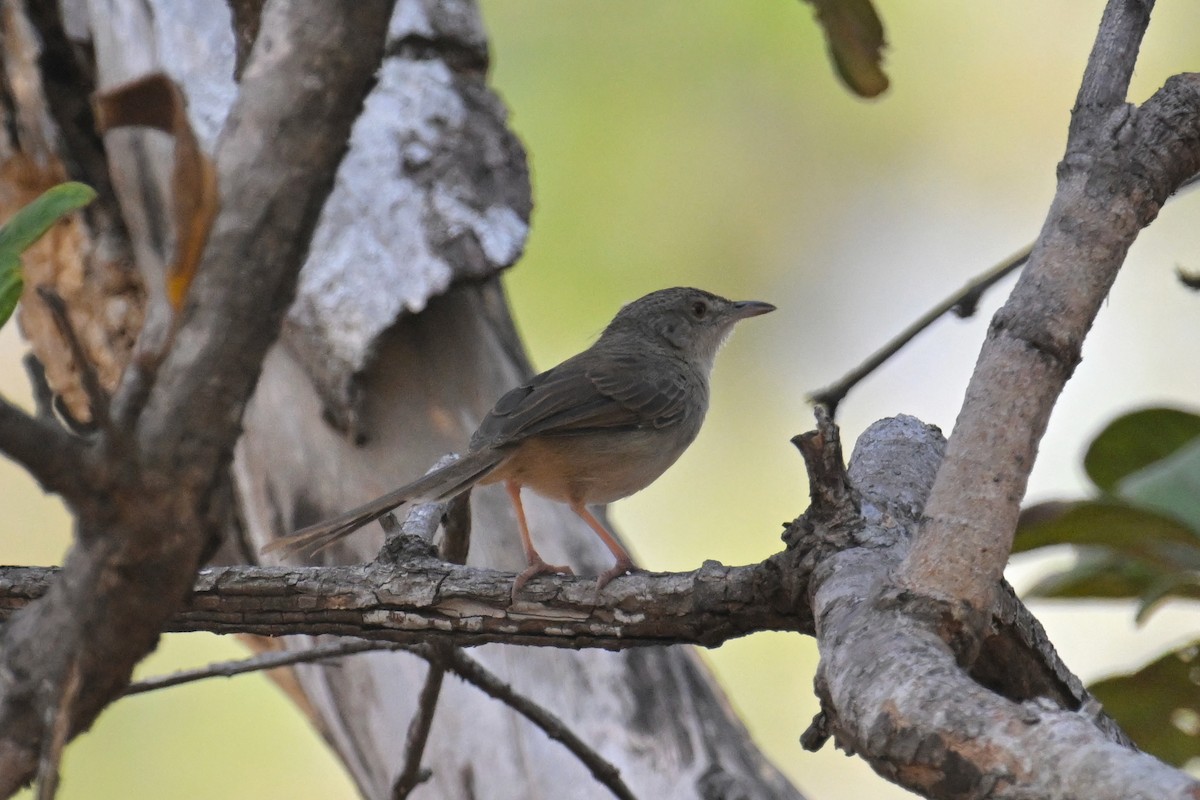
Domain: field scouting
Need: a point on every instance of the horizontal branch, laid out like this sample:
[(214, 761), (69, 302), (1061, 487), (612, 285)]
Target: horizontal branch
[(430, 599)]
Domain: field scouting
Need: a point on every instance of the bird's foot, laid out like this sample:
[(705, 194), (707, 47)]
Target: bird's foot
[(536, 568), (622, 567)]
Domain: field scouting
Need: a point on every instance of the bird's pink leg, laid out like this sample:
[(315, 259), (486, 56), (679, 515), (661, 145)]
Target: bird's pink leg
[(536, 565), (624, 562)]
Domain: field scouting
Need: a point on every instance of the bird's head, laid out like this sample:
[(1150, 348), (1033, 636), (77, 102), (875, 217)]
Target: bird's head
[(693, 321)]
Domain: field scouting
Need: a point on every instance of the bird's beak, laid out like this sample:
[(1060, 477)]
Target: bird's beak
[(751, 308)]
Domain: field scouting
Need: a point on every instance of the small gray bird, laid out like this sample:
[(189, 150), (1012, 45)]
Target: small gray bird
[(598, 427)]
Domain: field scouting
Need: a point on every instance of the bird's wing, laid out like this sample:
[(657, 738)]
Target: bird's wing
[(585, 395)]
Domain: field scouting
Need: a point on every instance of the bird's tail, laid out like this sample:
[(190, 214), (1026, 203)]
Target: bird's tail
[(440, 484)]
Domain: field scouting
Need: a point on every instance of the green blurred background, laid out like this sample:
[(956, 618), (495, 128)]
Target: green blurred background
[(708, 143)]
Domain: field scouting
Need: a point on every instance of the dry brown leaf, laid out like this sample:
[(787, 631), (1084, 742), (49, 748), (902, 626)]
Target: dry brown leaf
[(156, 101), (854, 33)]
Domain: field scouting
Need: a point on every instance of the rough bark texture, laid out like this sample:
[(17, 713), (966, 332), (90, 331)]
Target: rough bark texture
[(426, 599), (886, 662)]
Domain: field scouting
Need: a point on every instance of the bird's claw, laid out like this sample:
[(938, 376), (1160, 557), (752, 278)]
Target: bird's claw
[(620, 568), (536, 568)]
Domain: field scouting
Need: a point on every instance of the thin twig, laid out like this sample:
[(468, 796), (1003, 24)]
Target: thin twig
[(963, 302), (475, 674), (418, 734), (440, 658), (262, 661), (43, 395), (89, 379)]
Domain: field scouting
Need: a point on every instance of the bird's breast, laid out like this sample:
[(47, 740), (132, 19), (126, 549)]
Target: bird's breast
[(595, 468)]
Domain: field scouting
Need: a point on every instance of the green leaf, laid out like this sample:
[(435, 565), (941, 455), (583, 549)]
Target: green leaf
[(28, 225), (11, 285), (1100, 573), (1122, 528), (31, 222), (1170, 485), (1135, 441), (1159, 705), (1178, 585)]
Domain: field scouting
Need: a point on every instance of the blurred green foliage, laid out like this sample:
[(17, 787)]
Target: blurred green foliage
[(1139, 541)]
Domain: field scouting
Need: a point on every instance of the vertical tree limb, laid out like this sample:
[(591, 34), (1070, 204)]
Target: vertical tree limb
[(1121, 164)]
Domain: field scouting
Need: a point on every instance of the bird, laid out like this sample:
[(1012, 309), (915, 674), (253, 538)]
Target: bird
[(600, 426)]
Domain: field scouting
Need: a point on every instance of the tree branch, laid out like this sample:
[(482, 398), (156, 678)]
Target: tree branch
[(841, 561), (473, 673), (52, 456), (411, 775), (258, 663), (90, 380), (426, 599), (894, 693), (962, 302), (1120, 167)]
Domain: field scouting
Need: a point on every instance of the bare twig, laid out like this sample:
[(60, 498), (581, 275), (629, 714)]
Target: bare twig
[(1190, 279), (43, 395), (88, 377), (474, 673), (412, 775), (50, 454), (441, 659), (828, 485), (963, 303), (262, 661)]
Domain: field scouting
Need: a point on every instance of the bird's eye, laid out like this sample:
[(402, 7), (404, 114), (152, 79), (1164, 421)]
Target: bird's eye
[(699, 309)]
